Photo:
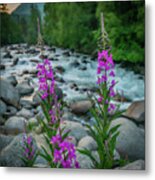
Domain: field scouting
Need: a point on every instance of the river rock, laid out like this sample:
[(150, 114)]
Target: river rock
[(25, 113), (59, 69), (2, 121), (26, 103), (5, 140), (87, 142), (136, 111), (81, 107), (12, 80), (15, 61), (2, 66), (10, 155), (15, 125), (24, 88), (74, 64), (8, 55), (136, 165), (8, 93), (11, 111), (131, 140), (75, 128), (3, 107), (84, 161), (66, 53)]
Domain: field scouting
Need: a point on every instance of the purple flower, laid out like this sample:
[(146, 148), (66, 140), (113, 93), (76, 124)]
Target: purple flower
[(44, 74), (64, 152), (28, 147), (111, 107), (112, 74), (56, 139), (100, 99)]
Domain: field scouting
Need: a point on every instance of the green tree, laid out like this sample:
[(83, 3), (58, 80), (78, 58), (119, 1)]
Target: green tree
[(32, 25), (10, 30), (70, 25), (124, 23)]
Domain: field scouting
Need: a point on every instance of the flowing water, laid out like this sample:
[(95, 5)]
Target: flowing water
[(79, 70)]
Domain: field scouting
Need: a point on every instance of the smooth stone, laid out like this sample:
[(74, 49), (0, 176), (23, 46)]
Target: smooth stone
[(136, 111), (59, 69), (36, 100), (3, 107), (26, 103), (41, 141), (12, 80), (136, 165), (5, 140), (25, 113), (15, 61), (2, 66), (87, 142), (24, 89), (81, 107), (2, 121), (75, 128), (9, 94), (131, 140), (72, 140), (33, 122), (10, 155), (74, 64), (15, 125), (11, 111), (84, 161), (8, 55)]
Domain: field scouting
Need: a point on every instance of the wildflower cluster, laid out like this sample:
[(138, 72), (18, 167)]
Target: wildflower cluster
[(29, 152), (64, 152), (105, 71), (45, 72)]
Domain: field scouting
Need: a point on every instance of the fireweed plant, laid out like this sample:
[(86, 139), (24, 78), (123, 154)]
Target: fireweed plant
[(62, 152), (29, 151), (104, 113)]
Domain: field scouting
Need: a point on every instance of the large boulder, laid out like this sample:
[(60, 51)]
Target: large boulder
[(3, 107), (10, 155), (81, 107), (87, 142), (84, 161), (8, 93), (136, 111), (136, 165), (5, 140), (11, 111), (75, 128), (24, 88), (131, 139), (15, 125), (12, 80), (25, 113)]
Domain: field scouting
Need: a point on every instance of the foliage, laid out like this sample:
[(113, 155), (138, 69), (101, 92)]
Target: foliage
[(10, 31), (125, 26), (62, 152), (75, 25), (104, 113), (32, 25), (29, 152), (70, 25)]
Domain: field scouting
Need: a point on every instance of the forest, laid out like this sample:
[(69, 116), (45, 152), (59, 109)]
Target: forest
[(77, 26)]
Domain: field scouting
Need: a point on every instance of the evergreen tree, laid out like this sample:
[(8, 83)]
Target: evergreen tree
[(32, 26)]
